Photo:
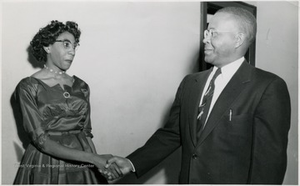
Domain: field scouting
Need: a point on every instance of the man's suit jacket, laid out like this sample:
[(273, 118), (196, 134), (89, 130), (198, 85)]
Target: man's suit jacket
[(247, 147)]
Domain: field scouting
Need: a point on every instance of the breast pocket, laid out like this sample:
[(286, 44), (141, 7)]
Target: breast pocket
[(238, 126)]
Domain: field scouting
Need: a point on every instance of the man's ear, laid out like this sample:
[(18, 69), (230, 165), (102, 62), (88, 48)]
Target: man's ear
[(47, 49), (240, 39)]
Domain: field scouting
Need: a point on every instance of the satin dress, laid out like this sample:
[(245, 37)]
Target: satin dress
[(64, 116)]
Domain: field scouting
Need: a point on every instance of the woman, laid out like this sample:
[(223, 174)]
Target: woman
[(56, 115)]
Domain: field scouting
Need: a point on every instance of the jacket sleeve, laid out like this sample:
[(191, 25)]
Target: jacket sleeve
[(162, 143), (270, 135)]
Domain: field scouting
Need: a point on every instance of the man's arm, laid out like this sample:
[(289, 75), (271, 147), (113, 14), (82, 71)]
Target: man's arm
[(160, 145), (270, 135)]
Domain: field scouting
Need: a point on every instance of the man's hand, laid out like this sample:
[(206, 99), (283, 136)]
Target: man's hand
[(111, 173), (123, 163)]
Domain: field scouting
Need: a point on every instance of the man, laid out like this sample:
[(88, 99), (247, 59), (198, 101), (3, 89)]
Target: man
[(232, 121)]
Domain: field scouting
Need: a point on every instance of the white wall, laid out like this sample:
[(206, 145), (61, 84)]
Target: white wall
[(134, 55), (277, 52)]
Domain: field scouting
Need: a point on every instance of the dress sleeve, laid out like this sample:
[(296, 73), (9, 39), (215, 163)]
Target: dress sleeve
[(25, 95), (87, 129)]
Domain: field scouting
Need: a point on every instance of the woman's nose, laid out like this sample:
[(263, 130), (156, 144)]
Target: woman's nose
[(72, 51)]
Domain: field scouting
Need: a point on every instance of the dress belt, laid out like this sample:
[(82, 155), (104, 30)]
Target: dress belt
[(60, 133)]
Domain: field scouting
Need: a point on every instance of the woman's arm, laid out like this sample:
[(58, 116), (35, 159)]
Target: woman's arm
[(91, 143), (52, 148), (33, 122)]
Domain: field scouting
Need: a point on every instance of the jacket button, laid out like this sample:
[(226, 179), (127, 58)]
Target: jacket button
[(194, 156)]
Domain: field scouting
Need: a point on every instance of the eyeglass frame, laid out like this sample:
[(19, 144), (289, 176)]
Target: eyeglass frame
[(210, 32), (74, 46)]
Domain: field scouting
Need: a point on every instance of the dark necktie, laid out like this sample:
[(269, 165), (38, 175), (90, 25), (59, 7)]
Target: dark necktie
[(206, 101)]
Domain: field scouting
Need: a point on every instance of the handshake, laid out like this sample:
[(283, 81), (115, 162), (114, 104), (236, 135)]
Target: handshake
[(112, 167)]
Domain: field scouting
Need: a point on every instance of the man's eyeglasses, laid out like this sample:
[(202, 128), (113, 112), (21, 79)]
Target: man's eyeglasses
[(68, 45), (213, 33)]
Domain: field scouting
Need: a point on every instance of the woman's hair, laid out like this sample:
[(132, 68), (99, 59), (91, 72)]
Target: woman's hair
[(246, 20), (47, 36)]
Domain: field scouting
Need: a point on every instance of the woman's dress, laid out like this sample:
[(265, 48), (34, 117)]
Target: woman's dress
[(64, 116)]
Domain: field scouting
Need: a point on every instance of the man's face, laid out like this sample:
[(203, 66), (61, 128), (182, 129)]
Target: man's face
[(220, 40)]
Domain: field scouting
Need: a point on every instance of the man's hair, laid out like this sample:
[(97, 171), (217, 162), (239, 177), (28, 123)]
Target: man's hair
[(245, 19)]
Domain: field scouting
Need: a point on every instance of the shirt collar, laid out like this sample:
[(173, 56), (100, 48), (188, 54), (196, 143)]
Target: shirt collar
[(229, 69)]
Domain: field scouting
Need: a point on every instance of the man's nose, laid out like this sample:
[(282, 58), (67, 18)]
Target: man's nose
[(206, 40)]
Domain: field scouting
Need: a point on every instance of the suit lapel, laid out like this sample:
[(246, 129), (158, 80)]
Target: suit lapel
[(226, 98), (195, 96)]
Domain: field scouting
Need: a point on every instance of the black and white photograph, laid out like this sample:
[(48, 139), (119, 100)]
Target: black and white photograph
[(149, 92)]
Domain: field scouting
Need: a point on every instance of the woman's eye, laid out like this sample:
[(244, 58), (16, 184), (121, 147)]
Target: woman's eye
[(67, 44)]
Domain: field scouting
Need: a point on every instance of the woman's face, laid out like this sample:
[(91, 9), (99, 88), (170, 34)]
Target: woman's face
[(62, 52)]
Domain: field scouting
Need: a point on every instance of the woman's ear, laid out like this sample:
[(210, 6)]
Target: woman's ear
[(47, 49)]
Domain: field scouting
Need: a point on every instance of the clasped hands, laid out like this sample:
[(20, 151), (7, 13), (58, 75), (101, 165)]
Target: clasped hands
[(113, 167)]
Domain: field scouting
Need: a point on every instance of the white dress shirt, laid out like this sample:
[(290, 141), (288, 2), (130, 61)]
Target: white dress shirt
[(221, 81)]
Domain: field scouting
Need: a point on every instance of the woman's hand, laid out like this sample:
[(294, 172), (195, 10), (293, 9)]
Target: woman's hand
[(100, 160), (111, 173)]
